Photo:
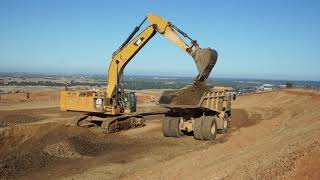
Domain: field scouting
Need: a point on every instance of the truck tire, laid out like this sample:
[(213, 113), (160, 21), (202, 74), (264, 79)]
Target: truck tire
[(3, 124), (225, 124), (209, 128), (166, 127), (229, 121), (174, 127), (197, 128)]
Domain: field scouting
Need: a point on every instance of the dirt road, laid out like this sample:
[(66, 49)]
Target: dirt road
[(274, 135)]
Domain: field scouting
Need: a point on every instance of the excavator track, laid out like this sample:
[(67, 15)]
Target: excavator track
[(112, 124)]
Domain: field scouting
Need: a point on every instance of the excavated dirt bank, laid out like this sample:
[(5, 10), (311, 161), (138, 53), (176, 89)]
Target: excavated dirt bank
[(274, 136), (41, 146), (38, 151), (14, 117), (280, 140)]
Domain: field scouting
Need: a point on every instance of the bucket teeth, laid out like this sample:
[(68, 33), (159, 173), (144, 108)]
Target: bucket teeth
[(205, 60)]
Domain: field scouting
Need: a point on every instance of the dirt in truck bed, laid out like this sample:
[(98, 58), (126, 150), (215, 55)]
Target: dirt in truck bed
[(190, 95)]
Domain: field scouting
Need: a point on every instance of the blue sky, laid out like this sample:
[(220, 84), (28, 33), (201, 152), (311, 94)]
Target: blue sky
[(254, 39)]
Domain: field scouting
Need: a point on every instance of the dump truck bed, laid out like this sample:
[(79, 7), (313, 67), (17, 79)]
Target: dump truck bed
[(211, 100)]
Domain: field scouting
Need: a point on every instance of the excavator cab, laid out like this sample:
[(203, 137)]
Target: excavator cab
[(130, 102)]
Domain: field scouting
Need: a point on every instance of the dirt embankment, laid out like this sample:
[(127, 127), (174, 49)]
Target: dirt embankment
[(34, 150), (35, 99), (274, 136), (282, 140), (14, 117), (37, 146)]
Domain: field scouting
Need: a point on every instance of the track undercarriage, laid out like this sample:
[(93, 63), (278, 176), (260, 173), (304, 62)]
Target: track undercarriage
[(110, 123)]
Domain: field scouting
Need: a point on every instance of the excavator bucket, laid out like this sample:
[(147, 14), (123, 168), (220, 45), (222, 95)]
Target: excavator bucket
[(205, 60)]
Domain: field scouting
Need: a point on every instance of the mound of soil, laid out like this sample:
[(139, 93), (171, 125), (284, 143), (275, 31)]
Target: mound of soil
[(88, 145), (19, 164), (36, 96), (63, 150), (14, 119), (241, 118), (191, 95), (59, 143)]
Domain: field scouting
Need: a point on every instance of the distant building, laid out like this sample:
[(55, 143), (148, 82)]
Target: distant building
[(282, 86), (267, 87)]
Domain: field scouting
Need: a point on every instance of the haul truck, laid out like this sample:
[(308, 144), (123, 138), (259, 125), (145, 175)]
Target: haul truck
[(204, 120)]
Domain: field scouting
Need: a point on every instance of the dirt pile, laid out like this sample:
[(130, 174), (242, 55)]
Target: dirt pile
[(14, 117), (11, 120), (59, 143), (39, 99), (36, 96), (190, 95), (20, 165), (62, 150)]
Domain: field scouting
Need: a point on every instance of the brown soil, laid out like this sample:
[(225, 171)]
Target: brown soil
[(11, 120), (36, 96), (41, 146), (241, 118), (33, 153), (279, 137), (273, 136), (307, 166), (190, 95), (39, 152), (37, 99), (14, 117)]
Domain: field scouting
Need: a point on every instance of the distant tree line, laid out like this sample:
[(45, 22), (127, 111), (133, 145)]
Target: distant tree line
[(134, 85)]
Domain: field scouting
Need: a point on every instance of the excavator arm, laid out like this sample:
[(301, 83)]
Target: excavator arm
[(205, 59)]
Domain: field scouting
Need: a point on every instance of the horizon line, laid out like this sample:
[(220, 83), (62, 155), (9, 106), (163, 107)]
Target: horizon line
[(149, 75)]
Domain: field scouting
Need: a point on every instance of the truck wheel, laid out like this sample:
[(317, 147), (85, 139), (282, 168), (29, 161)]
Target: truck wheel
[(166, 127), (197, 128), (229, 121), (226, 125), (174, 127), (3, 124), (209, 128)]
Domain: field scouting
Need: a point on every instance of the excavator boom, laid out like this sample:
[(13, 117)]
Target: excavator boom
[(205, 59)]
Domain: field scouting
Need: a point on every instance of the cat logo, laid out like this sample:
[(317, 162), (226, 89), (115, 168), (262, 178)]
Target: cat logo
[(138, 41)]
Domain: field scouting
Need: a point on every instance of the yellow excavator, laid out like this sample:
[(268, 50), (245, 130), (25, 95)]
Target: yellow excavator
[(115, 109)]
